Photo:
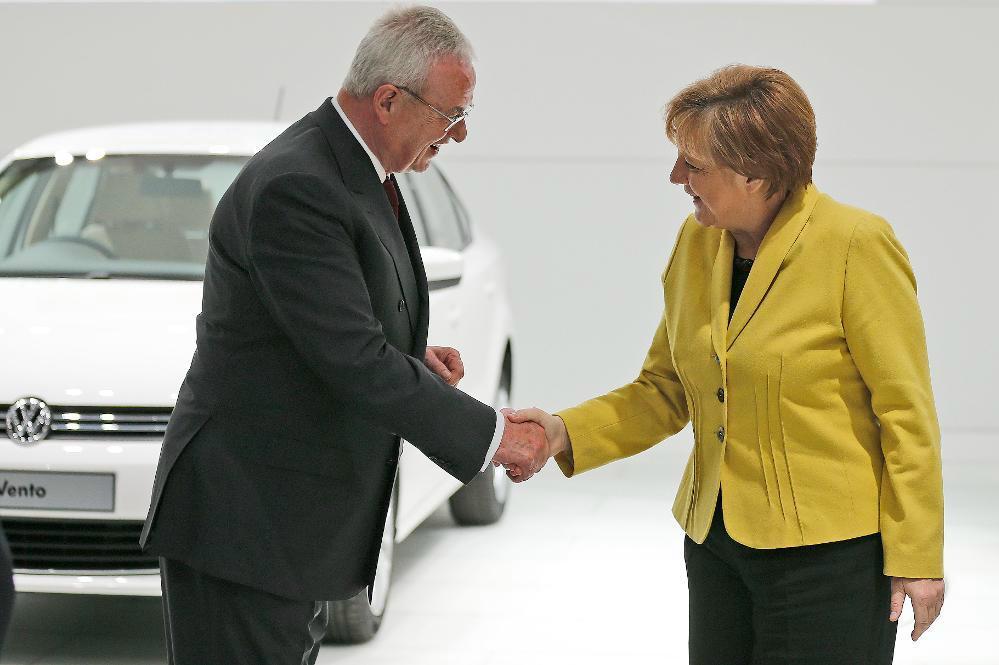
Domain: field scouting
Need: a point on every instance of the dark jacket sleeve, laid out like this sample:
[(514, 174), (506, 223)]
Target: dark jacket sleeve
[(305, 266)]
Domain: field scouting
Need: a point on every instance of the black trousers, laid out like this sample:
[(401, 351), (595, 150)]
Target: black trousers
[(211, 621), (814, 605)]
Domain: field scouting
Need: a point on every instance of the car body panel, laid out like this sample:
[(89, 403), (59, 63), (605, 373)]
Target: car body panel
[(70, 329)]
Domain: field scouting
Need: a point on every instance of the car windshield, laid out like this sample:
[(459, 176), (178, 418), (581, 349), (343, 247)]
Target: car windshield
[(135, 216)]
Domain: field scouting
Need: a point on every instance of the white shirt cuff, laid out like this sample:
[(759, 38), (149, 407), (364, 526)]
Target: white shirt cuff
[(497, 437)]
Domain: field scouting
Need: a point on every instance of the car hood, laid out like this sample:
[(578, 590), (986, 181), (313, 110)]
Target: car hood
[(96, 342)]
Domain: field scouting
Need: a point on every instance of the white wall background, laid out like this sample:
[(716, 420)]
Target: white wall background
[(566, 162)]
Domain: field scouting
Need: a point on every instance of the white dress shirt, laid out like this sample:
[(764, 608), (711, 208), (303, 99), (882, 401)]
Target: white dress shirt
[(382, 176)]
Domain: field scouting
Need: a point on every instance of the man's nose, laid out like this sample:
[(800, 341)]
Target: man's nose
[(458, 132)]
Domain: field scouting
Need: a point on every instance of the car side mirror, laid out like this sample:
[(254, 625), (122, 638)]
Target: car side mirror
[(444, 267)]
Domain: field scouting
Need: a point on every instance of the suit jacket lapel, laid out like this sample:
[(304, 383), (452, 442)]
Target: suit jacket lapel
[(360, 177), (721, 291), (422, 322), (777, 243)]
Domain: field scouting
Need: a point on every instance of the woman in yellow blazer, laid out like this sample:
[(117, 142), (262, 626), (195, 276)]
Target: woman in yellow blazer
[(792, 340)]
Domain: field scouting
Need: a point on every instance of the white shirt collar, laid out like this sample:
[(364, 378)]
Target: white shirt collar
[(379, 169)]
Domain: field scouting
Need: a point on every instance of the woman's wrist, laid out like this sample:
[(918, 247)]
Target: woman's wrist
[(561, 444)]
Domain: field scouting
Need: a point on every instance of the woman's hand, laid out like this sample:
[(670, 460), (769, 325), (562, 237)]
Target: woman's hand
[(558, 437), (926, 597), (555, 432)]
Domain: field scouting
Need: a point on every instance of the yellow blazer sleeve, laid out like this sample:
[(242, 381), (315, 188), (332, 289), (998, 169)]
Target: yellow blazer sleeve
[(884, 331), (630, 419)]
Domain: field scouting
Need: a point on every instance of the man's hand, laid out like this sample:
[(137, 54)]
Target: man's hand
[(446, 363), (926, 597), (555, 434), (523, 447)]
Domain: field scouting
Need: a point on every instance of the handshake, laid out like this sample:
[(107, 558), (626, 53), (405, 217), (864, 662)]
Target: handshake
[(531, 437)]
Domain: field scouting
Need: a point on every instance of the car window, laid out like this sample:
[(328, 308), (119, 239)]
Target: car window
[(413, 206), (463, 219), (15, 192), (128, 215), (79, 193), (439, 214)]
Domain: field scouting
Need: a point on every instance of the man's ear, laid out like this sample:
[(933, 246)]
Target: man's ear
[(384, 102)]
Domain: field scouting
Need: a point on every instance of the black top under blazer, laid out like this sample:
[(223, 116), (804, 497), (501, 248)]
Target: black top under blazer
[(277, 466)]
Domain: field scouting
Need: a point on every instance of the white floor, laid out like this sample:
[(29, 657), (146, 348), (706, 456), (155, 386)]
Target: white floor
[(582, 571)]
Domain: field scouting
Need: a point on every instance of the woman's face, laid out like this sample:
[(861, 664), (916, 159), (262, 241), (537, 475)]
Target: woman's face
[(719, 193)]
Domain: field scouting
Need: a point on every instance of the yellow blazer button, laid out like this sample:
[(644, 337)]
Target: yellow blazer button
[(721, 434)]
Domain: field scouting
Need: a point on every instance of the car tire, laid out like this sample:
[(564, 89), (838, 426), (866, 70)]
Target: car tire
[(483, 500), (357, 620)]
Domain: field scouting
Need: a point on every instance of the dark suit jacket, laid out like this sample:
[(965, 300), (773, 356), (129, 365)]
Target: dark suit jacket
[(278, 463)]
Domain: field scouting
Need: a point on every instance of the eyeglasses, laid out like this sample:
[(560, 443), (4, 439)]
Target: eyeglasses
[(453, 120)]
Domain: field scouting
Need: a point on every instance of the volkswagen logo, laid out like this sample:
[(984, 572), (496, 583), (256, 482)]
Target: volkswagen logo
[(28, 420)]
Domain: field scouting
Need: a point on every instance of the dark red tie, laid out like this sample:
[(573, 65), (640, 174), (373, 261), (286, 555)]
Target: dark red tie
[(393, 196)]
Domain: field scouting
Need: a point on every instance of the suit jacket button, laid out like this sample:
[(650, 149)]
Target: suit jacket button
[(402, 305), (721, 395), (721, 434)]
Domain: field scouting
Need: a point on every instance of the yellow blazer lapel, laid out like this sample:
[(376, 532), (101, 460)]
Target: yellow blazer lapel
[(721, 292), (781, 236)]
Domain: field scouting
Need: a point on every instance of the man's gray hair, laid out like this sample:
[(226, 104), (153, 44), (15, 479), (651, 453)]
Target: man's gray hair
[(400, 48)]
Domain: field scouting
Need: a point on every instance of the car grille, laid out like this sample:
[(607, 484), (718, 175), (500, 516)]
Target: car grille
[(119, 421), (76, 546)]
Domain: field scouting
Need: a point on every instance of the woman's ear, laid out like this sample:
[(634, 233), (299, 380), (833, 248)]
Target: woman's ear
[(756, 186)]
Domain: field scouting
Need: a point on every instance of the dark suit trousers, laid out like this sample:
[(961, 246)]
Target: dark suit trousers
[(211, 621), (815, 605)]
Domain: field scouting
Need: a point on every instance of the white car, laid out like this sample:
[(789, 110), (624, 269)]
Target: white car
[(103, 240)]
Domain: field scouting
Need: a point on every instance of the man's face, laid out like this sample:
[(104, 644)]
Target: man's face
[(421, 133)]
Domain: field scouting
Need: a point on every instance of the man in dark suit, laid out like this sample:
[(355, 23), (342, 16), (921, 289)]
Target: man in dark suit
[(278, 465)]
